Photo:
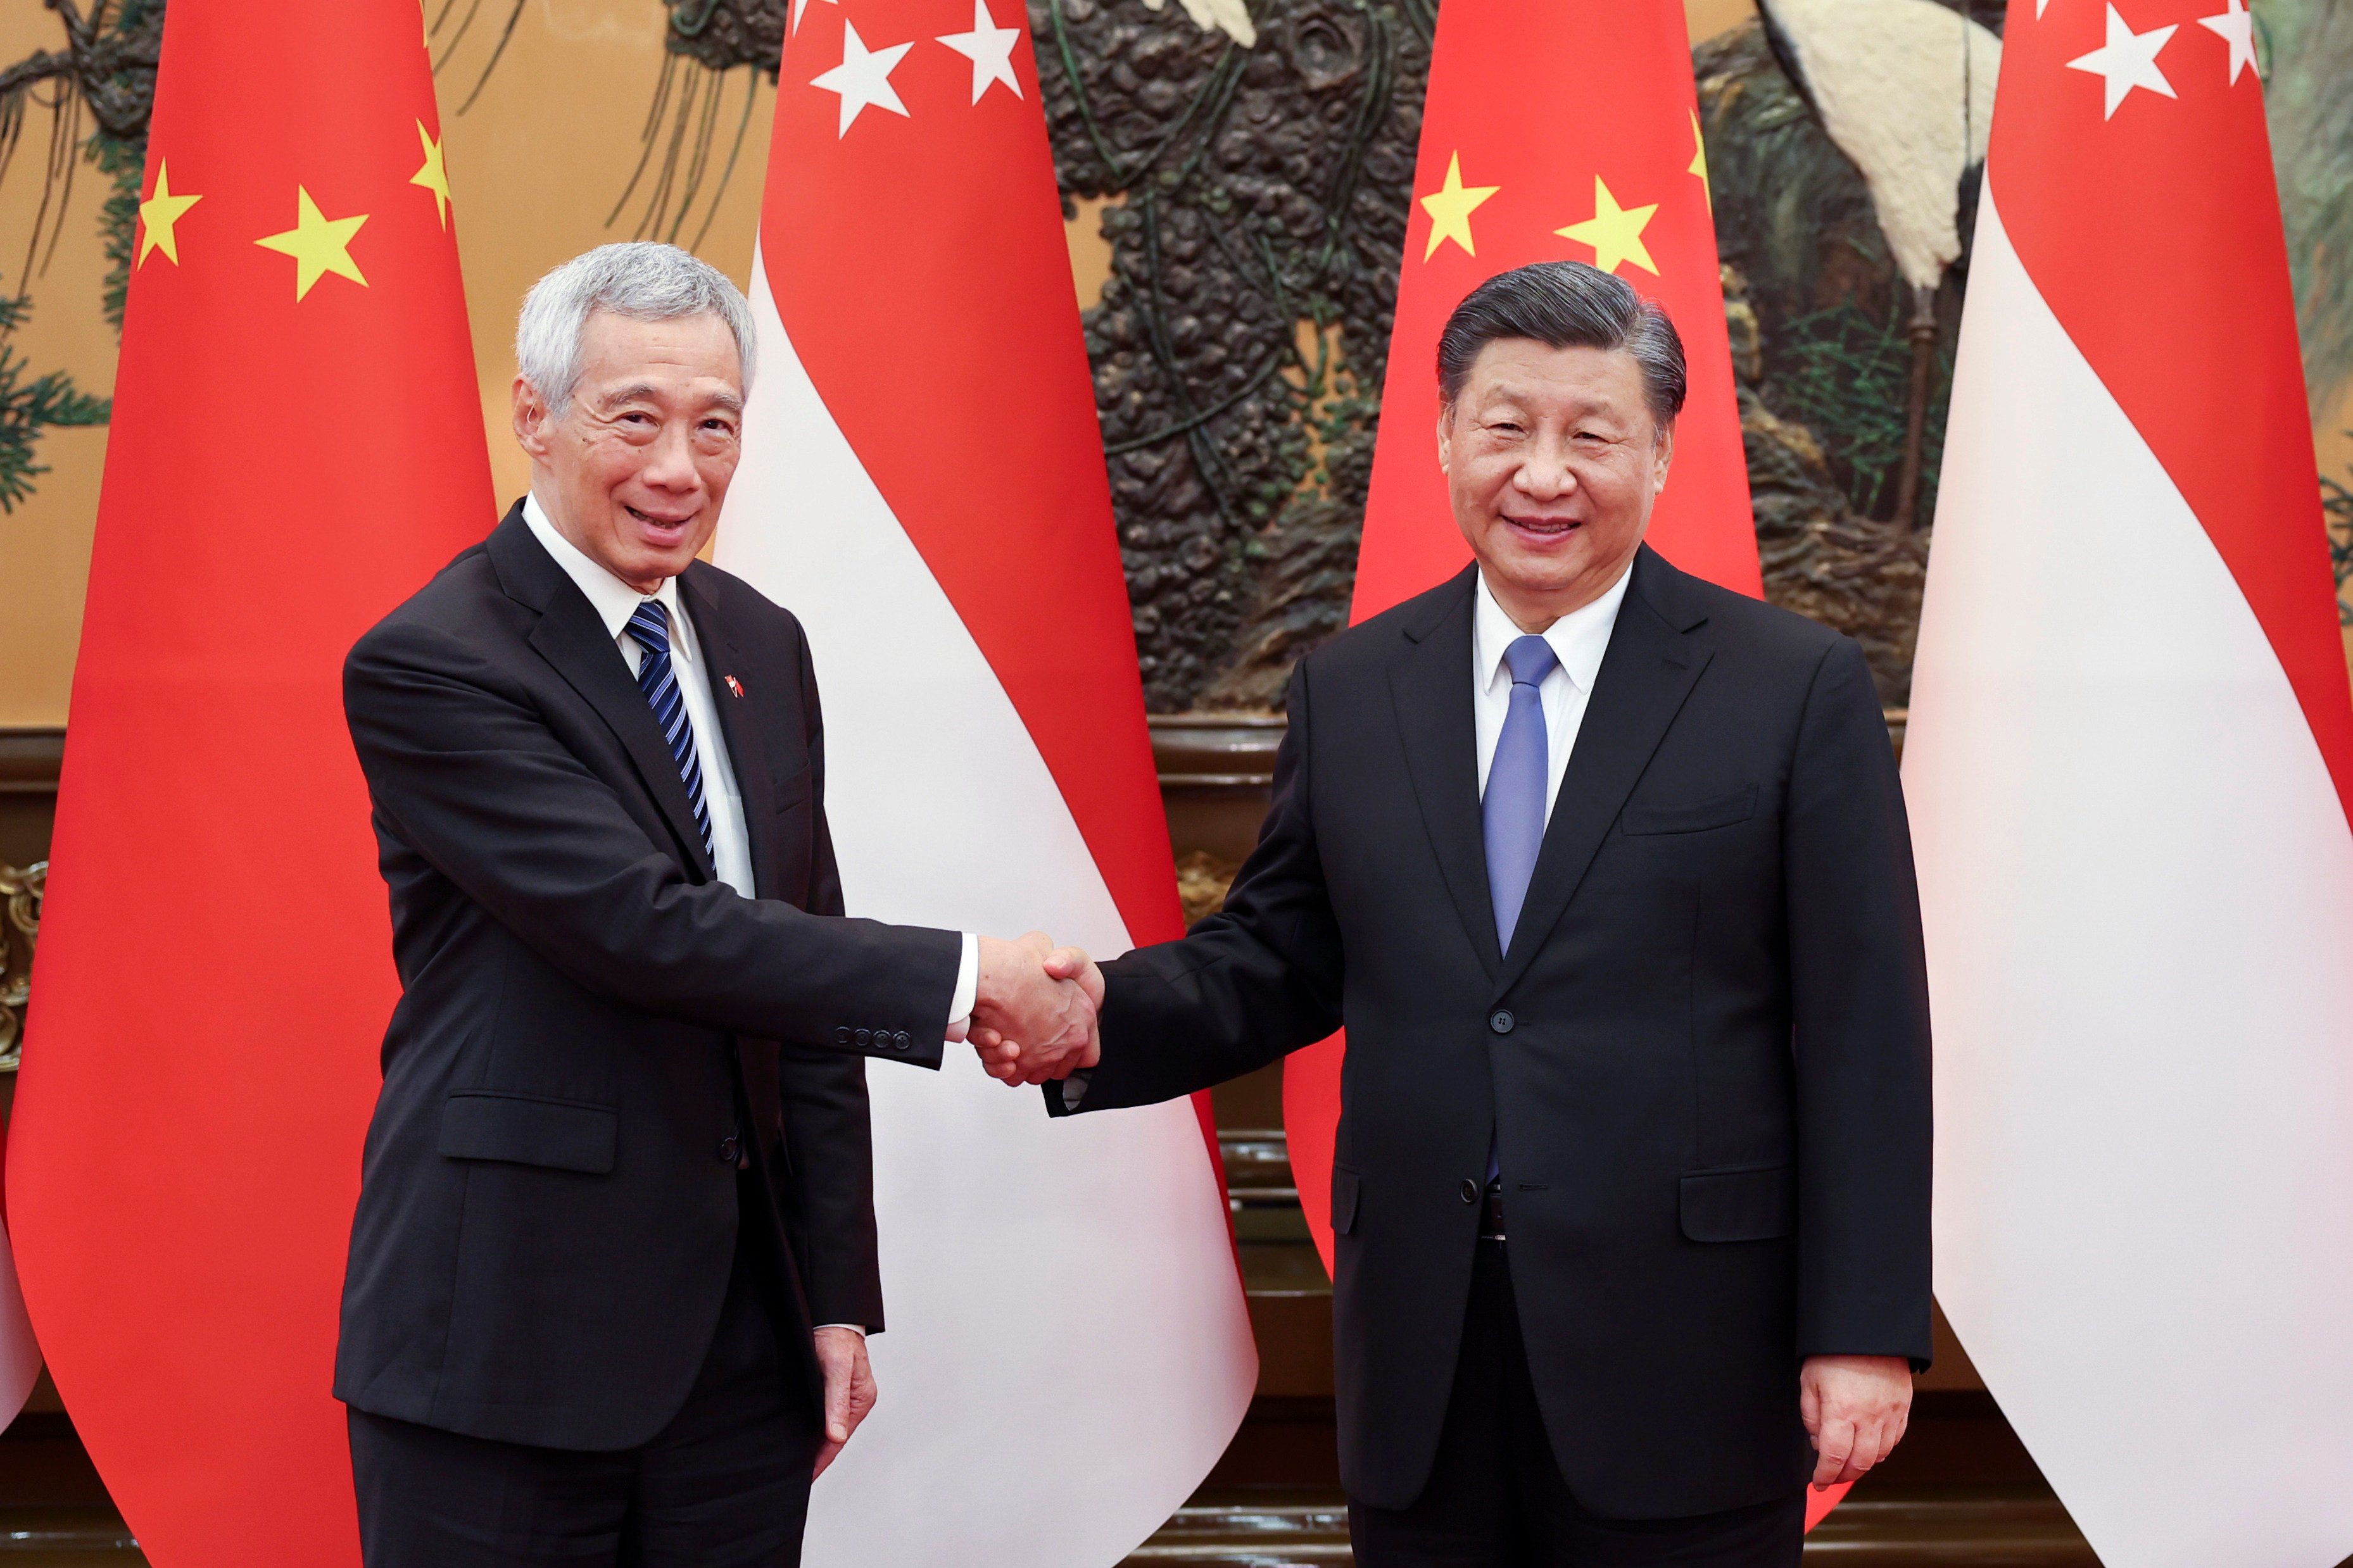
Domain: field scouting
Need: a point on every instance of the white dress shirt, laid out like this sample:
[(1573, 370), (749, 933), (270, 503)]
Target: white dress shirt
[(1579, 640)]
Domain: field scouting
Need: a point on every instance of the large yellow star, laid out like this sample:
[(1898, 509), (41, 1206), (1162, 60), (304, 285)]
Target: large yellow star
[(158, 213), (1450, 208), (433, 177), (319, 244), (1614, 232), (1699, 163)]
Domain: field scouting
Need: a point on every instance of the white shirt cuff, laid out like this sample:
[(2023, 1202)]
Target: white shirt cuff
[(968, 989), (858, 1328)]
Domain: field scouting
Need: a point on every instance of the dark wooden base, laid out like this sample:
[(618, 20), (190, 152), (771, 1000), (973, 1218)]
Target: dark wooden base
[(1932, 1528)]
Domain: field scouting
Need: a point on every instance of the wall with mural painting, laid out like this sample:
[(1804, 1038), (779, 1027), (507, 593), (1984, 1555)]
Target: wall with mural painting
[(1236, 175)]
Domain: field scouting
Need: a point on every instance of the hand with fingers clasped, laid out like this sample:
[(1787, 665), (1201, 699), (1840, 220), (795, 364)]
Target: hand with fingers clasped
[(1855, 1409), (1034, 1016)]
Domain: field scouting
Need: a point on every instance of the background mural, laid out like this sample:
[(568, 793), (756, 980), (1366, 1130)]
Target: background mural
[(1236, 175)]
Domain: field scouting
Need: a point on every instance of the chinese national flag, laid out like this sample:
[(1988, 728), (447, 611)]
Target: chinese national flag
[(1555, 129), (296, 445)]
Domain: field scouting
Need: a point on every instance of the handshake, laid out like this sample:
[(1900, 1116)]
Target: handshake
[(1033, 1017)]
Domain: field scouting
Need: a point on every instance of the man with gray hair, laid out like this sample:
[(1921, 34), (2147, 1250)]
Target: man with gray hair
[(1605, 869), (614, 1259)]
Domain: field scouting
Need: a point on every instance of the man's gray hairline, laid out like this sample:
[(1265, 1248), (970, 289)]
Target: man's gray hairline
[(571, 293)]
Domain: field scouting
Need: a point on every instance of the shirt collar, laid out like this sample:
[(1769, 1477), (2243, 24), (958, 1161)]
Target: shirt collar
[(613, 600), (1578, 638)]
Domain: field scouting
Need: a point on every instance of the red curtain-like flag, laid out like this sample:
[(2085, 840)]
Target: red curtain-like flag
[(296, 447)]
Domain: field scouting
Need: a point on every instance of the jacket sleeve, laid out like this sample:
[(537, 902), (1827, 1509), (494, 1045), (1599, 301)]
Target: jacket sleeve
[(827, 1123), (1256, 981), (1859, 993), (463, 768)]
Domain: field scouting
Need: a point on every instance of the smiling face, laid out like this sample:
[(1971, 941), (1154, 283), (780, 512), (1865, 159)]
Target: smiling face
[(633, 472), (1552, 463)]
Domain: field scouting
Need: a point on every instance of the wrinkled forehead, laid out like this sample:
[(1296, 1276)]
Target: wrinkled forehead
[(680, 359)]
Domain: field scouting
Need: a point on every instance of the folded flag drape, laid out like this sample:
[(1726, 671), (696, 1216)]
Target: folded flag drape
[(923, 485), (296, 445), (2130, 759)]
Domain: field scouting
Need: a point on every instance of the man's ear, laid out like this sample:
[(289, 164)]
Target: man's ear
[(1445, 439), (1662, 456), (530, 419)]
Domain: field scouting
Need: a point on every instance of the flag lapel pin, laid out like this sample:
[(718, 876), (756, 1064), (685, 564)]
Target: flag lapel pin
[(733, 685)]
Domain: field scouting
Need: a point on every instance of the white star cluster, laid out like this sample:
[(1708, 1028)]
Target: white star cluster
[(863, 80)]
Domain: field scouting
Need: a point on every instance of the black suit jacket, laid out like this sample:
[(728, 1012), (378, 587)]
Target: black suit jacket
[(589, 1022), (1705, 1054)]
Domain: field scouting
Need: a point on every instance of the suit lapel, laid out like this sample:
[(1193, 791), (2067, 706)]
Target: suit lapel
[(1651, 668), (1432, 689), (571, 638), (721, 658)]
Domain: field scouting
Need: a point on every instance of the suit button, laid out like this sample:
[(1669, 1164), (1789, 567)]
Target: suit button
[(728, 1150), (1471, 1191), (901, 1041), (865, 1036), (842, 1036), (1501, 1021)]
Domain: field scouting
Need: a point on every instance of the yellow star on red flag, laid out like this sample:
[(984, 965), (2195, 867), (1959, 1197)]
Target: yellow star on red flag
[(319, 244), (1450, 208), (1615, 232), (434, 175), (158, 213), (1699, 162)]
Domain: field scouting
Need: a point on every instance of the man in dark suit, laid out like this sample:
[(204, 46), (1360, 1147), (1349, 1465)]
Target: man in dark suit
[(614, 1259), (1606, 871)]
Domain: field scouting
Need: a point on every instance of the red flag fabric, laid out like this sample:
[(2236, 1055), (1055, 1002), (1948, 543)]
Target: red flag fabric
[(2128, 766), (296, 445), (923, 485), (1555, 129)]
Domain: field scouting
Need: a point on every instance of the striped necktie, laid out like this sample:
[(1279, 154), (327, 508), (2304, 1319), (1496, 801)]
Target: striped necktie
[(649, 623)]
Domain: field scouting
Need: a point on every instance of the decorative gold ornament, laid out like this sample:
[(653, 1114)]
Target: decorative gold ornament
[(23, 891)]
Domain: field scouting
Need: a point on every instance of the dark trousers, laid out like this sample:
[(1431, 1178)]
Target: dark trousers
[(1495, 1497), (724, 1485)]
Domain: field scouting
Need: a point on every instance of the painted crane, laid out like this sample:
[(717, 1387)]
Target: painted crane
[(1904, 87)]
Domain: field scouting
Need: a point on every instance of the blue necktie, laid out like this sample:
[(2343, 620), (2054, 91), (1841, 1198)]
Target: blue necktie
[(649, 623), (1512, 812)]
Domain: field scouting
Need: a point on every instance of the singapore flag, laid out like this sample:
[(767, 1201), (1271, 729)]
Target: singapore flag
[(2129, 762), (923, 485)]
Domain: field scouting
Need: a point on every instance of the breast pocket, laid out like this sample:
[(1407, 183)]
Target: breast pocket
[(1689, 816)]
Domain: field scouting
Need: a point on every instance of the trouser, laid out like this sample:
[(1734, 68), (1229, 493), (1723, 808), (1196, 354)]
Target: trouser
[(724, 1485), (1497, 1500)]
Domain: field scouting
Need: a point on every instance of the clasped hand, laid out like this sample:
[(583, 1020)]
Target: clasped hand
[(1034, 1016)]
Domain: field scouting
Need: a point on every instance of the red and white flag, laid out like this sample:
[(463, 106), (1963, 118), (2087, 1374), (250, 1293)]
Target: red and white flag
[(20, 1356), (923, 485), (2129, 762)]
